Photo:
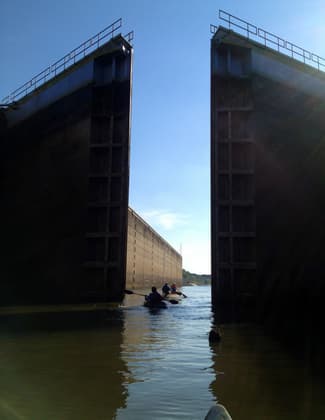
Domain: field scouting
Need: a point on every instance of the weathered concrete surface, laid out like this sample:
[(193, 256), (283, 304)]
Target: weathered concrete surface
[(151, 261)]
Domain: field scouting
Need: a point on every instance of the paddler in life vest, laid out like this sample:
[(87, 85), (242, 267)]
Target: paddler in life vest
[(166, 289), (154, 296)]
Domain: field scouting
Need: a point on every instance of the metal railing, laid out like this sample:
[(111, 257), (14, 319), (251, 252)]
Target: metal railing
[(68, 60), (129, 36), (270, 40)]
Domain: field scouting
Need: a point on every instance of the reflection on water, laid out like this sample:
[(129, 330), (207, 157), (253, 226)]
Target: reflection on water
[(168, 354), (66, 372), (141, 364), (262, 380)]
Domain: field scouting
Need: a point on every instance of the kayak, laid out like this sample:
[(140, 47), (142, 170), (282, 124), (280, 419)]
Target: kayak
[(174, 296), (160, 304)]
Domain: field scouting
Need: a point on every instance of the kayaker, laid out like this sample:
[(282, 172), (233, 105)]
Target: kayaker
[(173, 288), (166, 289), (154, 296)]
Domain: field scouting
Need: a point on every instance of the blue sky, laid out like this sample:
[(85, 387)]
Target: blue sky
[(170, 135)]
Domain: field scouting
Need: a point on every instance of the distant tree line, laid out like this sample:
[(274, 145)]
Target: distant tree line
[(199, 279)]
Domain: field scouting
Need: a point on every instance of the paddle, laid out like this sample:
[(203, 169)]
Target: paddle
[(180, 294), (130, 292)]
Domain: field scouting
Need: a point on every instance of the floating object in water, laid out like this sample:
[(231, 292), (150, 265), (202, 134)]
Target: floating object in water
[(155, 305), (173, 297), (131, 292), (214, 335), (218, 412)]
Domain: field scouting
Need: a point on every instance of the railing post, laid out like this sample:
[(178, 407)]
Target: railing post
[(31, 85), (296, 52)]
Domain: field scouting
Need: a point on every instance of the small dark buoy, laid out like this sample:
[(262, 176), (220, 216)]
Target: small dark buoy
[(214, 335)]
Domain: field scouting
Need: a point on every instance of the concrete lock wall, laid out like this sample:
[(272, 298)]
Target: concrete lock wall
[(151, 261), (267, 179), (65, 182)]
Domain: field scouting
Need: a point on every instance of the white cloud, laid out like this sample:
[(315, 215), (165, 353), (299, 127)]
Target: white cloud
[(191, 239), (165, 219)]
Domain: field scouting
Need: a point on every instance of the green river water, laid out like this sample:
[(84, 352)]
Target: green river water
[(141, 364)]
